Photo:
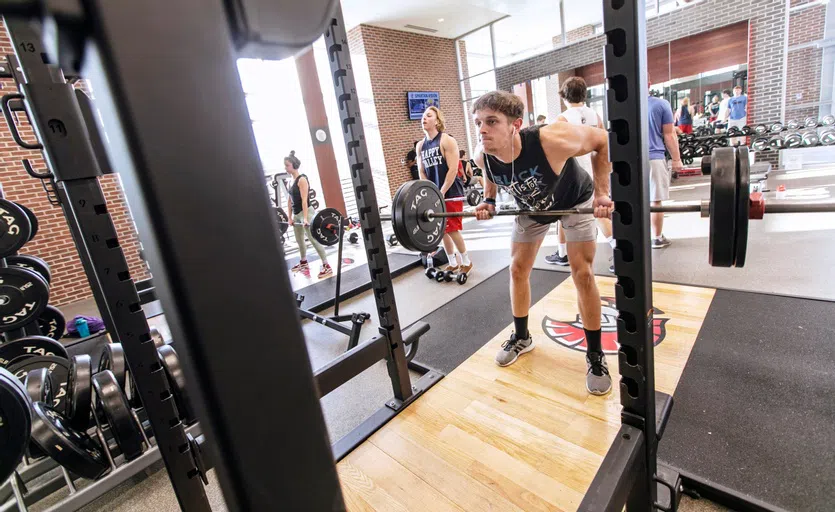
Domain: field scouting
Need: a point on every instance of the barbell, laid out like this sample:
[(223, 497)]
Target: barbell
[(419, 215)]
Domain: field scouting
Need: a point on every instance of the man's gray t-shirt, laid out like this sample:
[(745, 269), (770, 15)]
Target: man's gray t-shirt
[(660, 113)]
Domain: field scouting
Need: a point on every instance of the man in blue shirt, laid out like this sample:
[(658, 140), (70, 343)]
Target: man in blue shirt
[(662, 134), (737, 114)]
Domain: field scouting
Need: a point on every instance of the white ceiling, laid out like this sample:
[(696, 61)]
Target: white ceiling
[(534, 19)]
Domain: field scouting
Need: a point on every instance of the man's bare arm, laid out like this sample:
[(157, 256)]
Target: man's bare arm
[(449, 148), (671, 141), (561, 141)]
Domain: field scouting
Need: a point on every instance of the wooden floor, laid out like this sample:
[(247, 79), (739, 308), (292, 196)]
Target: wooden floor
[(525, 437)]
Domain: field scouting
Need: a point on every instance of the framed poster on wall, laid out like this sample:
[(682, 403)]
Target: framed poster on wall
[(420, 101)]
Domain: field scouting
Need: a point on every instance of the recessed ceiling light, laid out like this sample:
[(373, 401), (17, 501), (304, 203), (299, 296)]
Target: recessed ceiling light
[(440, 20)]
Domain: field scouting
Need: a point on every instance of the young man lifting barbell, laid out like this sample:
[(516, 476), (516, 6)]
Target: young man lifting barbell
[(536, 166)]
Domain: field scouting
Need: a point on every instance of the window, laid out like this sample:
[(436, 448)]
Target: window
[(476, 53), (534, 29)]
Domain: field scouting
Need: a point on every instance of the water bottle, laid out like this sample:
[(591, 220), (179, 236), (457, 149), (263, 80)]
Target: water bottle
[(82, 327)]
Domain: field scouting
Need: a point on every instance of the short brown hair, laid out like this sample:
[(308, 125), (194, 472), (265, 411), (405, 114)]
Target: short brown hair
[(440, 116), (573, 90), (501, 101)]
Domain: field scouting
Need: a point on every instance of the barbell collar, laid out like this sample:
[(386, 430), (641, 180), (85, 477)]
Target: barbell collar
[(705, 208)]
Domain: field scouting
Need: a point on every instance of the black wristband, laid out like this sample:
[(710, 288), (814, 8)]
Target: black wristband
[(489, 200)]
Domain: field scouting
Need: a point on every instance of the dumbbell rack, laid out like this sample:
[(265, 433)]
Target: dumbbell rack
[(74, 150)]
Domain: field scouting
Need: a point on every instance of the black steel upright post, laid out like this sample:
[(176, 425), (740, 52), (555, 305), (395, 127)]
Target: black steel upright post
[(190, 168), (624, 24), (57, 119), (336, 41)]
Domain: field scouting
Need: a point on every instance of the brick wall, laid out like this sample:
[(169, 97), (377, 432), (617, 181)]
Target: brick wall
[(394, 69), (803, 73), (53, 242), (578, 34)]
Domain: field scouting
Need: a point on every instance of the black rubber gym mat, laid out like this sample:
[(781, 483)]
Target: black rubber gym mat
[(319, 296), (462, 326), (755, 407)]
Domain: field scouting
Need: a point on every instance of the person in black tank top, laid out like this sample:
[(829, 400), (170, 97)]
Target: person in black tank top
[(438, 163), (301, 214), (536, 166)]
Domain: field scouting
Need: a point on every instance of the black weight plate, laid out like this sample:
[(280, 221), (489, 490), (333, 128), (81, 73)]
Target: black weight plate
[(354, 238), (80, 392), (111, 402), (174, 371), (324, 228), (810, 139), (396, 206), (71, 448), (16, 351), (723, 194), (706, 165), (747, 130), (52, 323), (810, 122), (24, 295), (15, 228), (793, 140), (417, 199), (113, 359), (473, 197), (311, 194), (283, 220), (33, 221), (59, 370), (314, 204), (15, 423), (827, 137), (743, 170), (32, 263), (38, 385)]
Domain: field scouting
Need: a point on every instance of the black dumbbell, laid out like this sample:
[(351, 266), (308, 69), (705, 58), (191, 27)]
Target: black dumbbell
[(776, 143), (760, 144), (810, 122), (828, 120), (792, 124), (776, 127), (760, 129), (793, 140), (827, 137), (810, 139)]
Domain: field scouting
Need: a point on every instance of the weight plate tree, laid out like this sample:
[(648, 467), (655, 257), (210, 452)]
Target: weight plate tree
[(76, 168)]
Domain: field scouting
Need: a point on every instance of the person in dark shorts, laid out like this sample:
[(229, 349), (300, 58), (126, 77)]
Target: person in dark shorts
[(684, 116), (298, 204), (435, 152), (537, 166), (465, 168)]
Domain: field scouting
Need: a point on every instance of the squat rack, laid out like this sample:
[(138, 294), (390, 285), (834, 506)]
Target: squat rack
[(279, 452)]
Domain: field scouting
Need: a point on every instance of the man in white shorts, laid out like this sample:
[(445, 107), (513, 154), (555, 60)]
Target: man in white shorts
[(662, 134), (538, 166), (573, 93)]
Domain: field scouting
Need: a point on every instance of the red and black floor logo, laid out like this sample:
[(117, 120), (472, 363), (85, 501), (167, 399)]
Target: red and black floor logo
[(571, 334)]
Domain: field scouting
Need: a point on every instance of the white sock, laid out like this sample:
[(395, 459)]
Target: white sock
[(563, 250), (458, 258), (465, 259), (612, 242)]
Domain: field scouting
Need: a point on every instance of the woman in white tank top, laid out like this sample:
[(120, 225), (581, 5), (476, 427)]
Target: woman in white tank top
[(573, 93)]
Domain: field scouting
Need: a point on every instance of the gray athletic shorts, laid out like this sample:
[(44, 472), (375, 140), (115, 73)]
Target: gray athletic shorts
[(578, 228), (659, 180)]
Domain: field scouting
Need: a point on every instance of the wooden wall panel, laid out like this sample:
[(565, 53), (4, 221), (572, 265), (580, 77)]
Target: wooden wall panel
[(726, 46)]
